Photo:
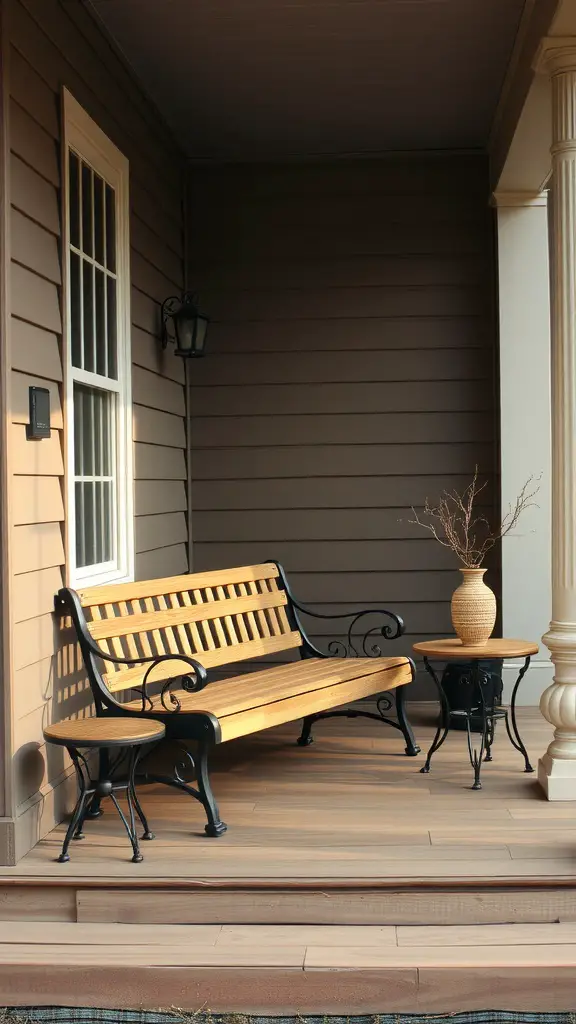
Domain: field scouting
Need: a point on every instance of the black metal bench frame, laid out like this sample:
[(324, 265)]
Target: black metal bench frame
[(203, 727)]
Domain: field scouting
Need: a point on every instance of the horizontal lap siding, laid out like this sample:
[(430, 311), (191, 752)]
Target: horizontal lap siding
[(55, 44), (349, 375)]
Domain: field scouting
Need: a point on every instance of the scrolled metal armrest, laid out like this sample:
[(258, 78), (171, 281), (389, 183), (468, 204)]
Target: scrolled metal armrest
[(391, 629), (190, 683), (67, 601)]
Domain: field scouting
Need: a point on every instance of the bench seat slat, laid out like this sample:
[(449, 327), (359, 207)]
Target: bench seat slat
[(114, 592), (327, 698), (133, 676), (258, 689), (155, 620), (270, 697)]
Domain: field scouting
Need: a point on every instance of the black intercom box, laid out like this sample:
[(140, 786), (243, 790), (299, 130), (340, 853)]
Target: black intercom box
[(39, 404)]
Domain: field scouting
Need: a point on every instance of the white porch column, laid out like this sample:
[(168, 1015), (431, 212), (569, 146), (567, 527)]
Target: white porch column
[(557, 769), (524, 329)]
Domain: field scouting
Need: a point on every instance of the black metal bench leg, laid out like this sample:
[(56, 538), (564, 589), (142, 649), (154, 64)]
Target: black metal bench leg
[(215, 826), (305, 738), (412, 748)]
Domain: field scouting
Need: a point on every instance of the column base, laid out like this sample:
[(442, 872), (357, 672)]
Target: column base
[(557, 778)]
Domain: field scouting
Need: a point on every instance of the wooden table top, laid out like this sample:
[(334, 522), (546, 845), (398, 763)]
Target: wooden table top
[(496, 647), (105, 732)]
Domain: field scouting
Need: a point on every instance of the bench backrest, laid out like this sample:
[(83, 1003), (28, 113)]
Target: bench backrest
[(216, 617)]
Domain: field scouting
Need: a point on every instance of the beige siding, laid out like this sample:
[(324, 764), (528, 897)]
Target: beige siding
[(54, 44), (350, 374)]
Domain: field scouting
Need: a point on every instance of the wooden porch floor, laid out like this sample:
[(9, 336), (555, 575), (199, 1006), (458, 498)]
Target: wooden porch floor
[(352, 808), (347, 883)]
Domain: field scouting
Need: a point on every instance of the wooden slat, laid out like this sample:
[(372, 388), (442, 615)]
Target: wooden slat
[(197, 642), (168, 631), (115, 642), (175, 584), (130, 641), (269, 586), (134, 608), (251, 618), (153, 620), (105, 645), (204, 626), (238, 619), (157, 633), (210, 659), (258, 690), (280, 611), (299, 706), (264, 628), (232, 636), (217, 622)]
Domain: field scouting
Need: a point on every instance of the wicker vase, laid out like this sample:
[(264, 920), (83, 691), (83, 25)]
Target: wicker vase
[(473, 609)]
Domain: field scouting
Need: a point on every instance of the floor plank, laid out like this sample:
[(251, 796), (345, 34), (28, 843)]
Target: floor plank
[(487, 935)]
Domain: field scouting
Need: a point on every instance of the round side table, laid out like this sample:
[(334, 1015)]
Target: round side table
[(125, 736), (477, 705)]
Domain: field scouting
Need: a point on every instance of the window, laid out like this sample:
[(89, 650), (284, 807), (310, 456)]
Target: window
[(98, 371)]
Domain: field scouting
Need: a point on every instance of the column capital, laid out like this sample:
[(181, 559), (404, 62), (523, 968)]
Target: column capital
[(503, 198), (556, 55)]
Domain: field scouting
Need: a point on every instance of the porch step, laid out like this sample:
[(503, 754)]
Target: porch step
[(283, 969), (519, 901)]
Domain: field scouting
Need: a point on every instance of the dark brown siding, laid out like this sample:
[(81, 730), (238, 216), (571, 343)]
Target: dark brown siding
[(55, 44), (349, 373)]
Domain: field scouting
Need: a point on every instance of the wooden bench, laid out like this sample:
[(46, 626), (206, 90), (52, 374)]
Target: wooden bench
[(148, 648)]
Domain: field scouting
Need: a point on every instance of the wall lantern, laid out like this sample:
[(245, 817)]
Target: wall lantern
[(183, 324)]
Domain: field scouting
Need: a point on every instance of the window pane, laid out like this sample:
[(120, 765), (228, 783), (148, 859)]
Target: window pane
[(110, 229), (87, 243), (101, 340), (103, 493), (98, 219), (95, 483), (88, 296), (112, 329), (80, 519), (74, 200), (76, 310)]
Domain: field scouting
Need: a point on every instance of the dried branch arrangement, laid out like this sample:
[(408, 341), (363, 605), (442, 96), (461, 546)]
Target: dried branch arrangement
[(453, 523)]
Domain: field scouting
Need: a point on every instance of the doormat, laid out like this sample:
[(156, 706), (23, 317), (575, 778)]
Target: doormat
[(89, 1015)]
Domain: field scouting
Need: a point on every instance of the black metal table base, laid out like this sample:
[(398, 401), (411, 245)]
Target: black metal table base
[(88, 789), (477, 708)]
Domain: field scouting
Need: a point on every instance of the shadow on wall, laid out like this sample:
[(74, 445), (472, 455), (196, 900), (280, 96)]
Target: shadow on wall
[(39, 769)]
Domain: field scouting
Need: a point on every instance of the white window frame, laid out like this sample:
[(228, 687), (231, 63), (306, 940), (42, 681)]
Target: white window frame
[(82, 134)]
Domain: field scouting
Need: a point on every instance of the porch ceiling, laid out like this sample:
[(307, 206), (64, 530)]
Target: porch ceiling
[(276, 79)]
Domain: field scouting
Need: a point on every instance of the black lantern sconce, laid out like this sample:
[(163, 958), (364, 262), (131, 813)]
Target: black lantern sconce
[(183, 324)]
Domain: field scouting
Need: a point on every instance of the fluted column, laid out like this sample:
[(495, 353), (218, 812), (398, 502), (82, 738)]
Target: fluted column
[(557, 769)]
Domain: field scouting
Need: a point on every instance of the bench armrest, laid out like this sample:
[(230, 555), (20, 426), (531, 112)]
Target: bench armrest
[(389, 626), (67, 602)]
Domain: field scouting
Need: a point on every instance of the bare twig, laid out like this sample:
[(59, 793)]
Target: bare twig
[(453, 524)]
